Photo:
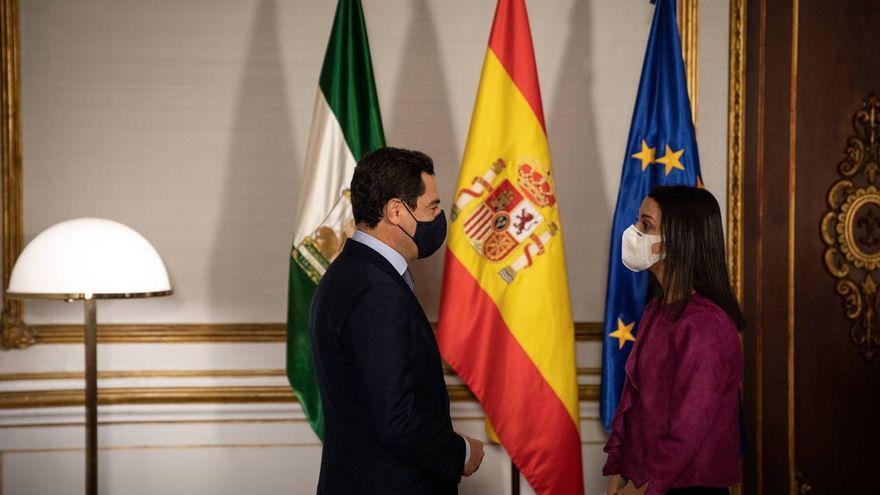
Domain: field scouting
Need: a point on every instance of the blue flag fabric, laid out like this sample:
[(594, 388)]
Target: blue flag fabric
[(661, 150)]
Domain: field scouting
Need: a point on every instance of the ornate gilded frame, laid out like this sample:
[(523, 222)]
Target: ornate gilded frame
[(736, 107), (15, 333)]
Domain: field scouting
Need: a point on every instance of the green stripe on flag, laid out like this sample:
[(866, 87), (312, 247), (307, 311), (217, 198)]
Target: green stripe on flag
[(300, 368), (347, 81)]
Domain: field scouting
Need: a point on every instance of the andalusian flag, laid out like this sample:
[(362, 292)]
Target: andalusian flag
[(505, 317), (346, 125)]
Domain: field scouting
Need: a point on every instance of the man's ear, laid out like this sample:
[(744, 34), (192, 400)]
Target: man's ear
[(392, 211)]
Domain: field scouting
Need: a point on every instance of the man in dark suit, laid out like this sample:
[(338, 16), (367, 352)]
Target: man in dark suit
[(387, 426)]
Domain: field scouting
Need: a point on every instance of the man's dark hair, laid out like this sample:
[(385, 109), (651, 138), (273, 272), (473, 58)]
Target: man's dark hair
[(386, 174)]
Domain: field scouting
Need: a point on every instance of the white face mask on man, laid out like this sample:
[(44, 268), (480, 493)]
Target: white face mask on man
[(635, 249)]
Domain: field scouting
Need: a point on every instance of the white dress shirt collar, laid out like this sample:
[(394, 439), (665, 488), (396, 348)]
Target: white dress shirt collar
[(397, 261)]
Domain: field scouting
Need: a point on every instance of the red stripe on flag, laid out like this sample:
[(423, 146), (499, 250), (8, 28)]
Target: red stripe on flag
[(511, 40), (532, 422), (477, 221)]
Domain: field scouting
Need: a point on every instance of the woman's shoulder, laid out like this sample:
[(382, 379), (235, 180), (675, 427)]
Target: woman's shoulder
[(701, 306), (704, 318)]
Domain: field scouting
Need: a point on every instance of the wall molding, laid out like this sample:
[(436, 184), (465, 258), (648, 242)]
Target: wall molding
[(286, 417), (105, 375), (208, 373), (165, 394), (194, 395), (155, 333)]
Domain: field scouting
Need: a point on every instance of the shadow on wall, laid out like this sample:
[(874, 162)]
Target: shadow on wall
[(261, 153), (421, 119), (575, 147)]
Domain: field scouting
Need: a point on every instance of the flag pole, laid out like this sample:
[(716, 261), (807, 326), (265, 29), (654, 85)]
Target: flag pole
[(514, 479)]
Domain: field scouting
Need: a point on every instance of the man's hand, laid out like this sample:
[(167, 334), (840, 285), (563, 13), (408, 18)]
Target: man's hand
[(630, 489), (615, 484), (476, 455)]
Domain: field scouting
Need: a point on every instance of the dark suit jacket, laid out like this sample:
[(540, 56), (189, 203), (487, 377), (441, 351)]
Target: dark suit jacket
[(387, 427)]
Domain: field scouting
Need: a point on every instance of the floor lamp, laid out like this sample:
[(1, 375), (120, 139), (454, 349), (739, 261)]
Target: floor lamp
[(89, 259)]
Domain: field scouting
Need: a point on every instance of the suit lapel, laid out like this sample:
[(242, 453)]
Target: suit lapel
[(366, 253)]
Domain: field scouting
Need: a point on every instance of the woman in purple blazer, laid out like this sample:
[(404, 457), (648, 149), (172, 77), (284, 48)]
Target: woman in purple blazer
[(676, 430)]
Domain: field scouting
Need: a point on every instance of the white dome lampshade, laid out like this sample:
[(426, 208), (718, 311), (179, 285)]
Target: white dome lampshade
[(89, 258)]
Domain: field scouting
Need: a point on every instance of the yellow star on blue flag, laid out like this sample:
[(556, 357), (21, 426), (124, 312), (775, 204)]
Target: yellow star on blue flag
[(646, 155), (671, 159), (623, 334)]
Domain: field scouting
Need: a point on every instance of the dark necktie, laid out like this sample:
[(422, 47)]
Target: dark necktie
[(408, 278)]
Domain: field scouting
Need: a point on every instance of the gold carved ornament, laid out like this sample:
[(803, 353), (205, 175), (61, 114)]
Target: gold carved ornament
[(851, 229)]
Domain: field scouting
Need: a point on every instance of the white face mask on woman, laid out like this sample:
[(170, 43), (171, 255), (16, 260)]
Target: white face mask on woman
[(635, 250)]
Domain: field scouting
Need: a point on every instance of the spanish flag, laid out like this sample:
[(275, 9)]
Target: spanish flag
[(505, 316)]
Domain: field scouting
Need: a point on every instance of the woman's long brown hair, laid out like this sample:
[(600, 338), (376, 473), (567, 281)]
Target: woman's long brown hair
[(693, 238)]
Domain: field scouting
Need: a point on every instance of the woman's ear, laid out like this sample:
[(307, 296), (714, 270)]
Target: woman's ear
[(658, 248)]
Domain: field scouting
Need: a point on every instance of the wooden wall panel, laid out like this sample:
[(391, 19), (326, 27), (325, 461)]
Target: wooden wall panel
[(837, 400), (810, 395)]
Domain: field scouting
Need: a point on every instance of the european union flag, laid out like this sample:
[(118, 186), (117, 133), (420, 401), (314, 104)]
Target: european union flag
[(661, 150)]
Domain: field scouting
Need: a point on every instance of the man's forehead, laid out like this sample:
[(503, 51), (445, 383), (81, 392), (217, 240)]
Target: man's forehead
[(429, 198), (430, 195)]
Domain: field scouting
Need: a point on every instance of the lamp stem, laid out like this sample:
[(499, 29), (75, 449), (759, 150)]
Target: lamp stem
[(91, 340)]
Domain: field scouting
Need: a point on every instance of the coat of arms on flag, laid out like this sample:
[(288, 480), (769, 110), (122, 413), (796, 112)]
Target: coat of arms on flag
[(316, 251), (508, 214)]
